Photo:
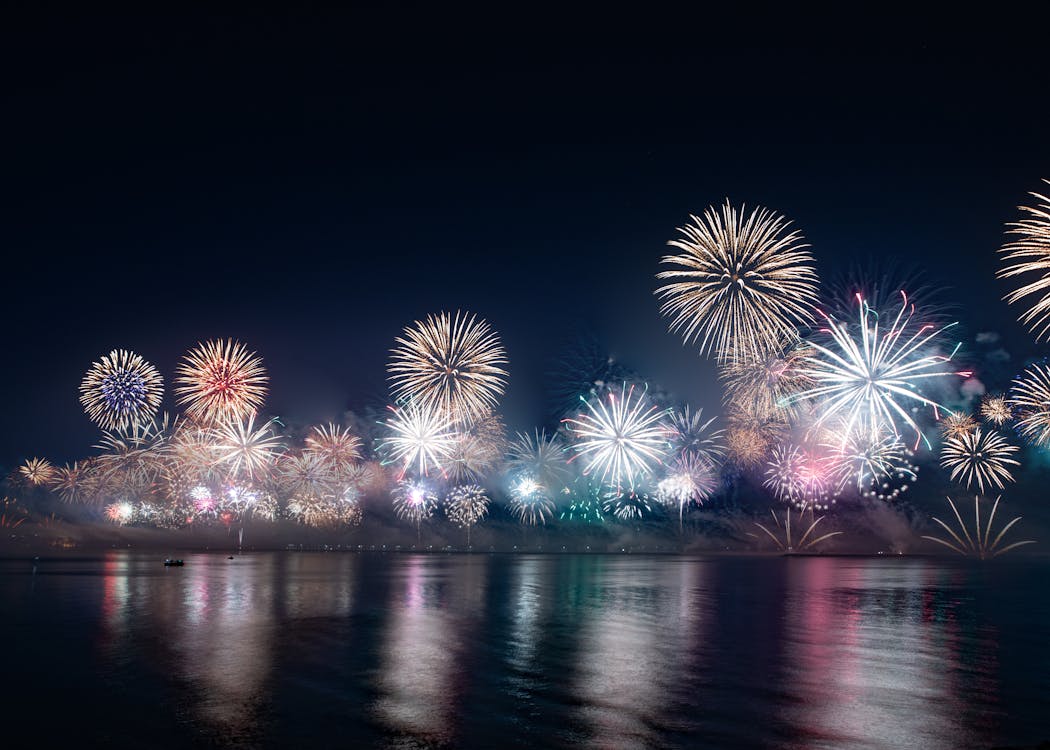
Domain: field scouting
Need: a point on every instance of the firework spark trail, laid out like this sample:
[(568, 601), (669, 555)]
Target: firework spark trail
[(782, 536), (1030, 400), (451, 364), (996, 409), (622, 440), (221, 381), (979, 543), (420, 437), (530, 502), (1027, 255), (241, 448), (979, 457), (861, 380), (120, 390), (466, 505), (741, 286), (763, 387)]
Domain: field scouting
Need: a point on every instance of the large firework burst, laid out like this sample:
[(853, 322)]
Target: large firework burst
[(1030, 400), (419, 438), (450, 363), (868, 376), (221, 381), (1029, 255), (339, 448), (742, 284), (622, 440), (979, 457), (120, 390), (979, 543), (242, 449)]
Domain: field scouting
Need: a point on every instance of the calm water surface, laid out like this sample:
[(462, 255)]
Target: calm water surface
[(520, 651)]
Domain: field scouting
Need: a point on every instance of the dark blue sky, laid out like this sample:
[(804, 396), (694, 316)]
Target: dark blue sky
[(312, 182)]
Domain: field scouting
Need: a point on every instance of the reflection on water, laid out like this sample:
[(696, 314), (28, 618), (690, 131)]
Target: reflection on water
[(530, 651), (432, 614), (637, 635)]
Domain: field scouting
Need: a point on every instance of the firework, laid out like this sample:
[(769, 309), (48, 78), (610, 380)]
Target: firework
[(623, 440), (979, 543), (782, 536), (529, 501), (540, 457), (629, 505), (691, 479), (73, 483), (413, 501), (420, 438), (868, 377), (799, 475), (688, 434), (337, 447), (996, 409), (37, 471), (120, 513), (956, 425), (763, 387), (466, 505), (243, 450), (476, 449), (306, 477), (880, 468), (451, 364), (221, 381), (1030, 400), (748, 439), (979, 457), (741, 285), (120, 390), (1029, 255)]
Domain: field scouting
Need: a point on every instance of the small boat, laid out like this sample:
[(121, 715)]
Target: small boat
[(170, 563)]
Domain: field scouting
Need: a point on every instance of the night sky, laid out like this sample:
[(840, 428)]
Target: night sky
[(310, 184)]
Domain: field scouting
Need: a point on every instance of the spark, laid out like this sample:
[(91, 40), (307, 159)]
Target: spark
[(979, 457), (782, 536), (1030, 400), (120, 390), (339, 448), (957, 424), (622, 440), (996, 409), (37, 471), (529, 501), (869, 374), (420, 438), (450, 364), (1029, 254), (241, 448), (979, 543), (741, 286), (221, 381)]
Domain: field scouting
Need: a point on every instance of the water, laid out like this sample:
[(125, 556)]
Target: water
[(407, 651)]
